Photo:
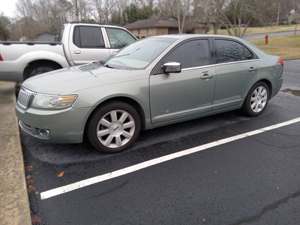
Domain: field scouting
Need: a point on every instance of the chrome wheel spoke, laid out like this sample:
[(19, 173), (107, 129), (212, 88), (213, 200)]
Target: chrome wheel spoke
[(105, 122), (126, 134), (108, 140), (118, 141), (113, 116), (128, 125), (102, 133), (123, 117), (253, 105)]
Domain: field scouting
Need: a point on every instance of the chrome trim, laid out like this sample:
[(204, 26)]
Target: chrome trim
[(25, 97), (220, 64)]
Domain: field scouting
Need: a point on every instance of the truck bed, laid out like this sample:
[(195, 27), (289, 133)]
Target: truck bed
[(29, 43), (16, 56)]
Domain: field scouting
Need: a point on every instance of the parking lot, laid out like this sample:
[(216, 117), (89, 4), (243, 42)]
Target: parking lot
[(179, 174)]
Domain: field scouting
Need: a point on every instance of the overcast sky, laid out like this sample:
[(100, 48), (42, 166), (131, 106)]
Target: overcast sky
[(8, 7)]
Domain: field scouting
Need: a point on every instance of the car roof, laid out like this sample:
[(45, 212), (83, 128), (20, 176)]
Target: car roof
[(188, 36)]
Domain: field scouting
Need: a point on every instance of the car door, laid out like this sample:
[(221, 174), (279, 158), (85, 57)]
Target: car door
[(118, 38), (234, 70), (88, 44), (180, 96)]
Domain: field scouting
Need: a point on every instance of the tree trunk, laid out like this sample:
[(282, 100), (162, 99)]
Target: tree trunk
[(278, 14)]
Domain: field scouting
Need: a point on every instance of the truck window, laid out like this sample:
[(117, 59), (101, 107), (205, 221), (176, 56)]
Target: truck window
[(119, 38), (88, 37)]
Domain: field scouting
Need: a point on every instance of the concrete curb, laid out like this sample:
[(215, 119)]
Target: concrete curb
[(14, 204)]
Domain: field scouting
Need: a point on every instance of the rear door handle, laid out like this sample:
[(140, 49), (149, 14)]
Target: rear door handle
[(252, 69), (206, 76)]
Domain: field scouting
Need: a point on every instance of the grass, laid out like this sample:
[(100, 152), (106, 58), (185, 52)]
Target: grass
[(267, 29), (288, 47)]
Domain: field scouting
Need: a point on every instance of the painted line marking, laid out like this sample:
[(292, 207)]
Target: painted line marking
[(131, 169)]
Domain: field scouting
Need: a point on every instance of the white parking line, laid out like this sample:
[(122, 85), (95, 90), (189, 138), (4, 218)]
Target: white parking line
[(98, 179)]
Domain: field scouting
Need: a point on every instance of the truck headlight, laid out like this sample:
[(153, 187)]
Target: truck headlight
[(44, 101)]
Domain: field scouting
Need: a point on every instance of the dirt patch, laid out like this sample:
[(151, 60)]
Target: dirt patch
[(292, 91)]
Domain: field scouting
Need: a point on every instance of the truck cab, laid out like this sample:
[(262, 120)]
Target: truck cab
[(80, 43), (92, 42)]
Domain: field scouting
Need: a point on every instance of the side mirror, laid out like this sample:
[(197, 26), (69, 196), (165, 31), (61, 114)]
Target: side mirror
[(172, 67)]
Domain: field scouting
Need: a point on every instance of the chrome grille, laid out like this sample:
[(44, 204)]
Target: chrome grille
[(24, 97)]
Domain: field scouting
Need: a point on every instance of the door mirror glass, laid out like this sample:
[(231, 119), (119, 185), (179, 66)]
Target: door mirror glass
[(172, 67)]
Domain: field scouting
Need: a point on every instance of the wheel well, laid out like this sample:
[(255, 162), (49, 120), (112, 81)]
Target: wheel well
[(127, 100), (37, 63), (268, 83)]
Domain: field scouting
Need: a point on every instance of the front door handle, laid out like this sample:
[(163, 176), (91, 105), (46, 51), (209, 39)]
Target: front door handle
[(77, 52), (252, 69), (206, 76)]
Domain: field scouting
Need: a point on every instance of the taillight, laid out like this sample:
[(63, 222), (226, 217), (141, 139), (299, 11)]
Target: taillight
[(281, 61), (1, 58)]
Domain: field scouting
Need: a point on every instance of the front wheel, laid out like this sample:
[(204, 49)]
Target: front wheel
[(257, 99), (114, 127)]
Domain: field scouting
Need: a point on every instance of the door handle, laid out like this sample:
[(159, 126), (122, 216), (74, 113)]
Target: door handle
[(77, 52), (252, 69), (206, 76)]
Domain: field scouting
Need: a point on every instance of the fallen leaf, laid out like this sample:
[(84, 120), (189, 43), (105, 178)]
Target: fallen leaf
[(36, 220), (28, 168), (61, 174)]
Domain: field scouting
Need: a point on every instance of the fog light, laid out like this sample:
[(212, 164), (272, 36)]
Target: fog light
[(44, 133)]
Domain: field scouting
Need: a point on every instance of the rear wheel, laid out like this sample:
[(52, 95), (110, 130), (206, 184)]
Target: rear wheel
[(257, 99), (114, 127)]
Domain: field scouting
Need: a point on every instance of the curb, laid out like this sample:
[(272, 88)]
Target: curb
[(14, 203)]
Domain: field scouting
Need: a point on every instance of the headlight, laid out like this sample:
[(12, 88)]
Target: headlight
[(43, 101)]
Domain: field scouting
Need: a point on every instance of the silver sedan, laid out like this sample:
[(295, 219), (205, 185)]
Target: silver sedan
[(153, 82)]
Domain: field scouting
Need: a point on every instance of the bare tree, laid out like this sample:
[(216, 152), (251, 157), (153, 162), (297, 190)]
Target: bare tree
[(179, 9)]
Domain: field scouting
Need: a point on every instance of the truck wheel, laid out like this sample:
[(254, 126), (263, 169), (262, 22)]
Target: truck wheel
[(114, 127), (36, 69)]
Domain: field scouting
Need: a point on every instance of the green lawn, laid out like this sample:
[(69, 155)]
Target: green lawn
[(287, 47), (267, 29)]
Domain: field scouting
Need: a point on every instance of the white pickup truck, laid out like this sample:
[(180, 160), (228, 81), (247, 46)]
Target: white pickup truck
[(81, 43)]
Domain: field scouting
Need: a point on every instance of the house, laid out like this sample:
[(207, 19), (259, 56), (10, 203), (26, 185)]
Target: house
[(153, 26), (160, 26)]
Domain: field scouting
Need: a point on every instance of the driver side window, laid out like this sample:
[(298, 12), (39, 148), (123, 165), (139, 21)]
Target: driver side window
[(190, 54)]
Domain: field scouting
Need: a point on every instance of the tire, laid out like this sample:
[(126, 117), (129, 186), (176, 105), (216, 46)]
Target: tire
[(257, 100), (39, 69), (114, 127)]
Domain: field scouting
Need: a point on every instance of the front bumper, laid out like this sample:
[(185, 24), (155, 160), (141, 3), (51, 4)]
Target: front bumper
[(57, 126)]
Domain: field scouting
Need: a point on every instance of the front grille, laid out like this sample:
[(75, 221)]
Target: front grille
[(24, 97)]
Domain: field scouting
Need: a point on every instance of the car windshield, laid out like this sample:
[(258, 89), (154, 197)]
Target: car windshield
[(139, 54)]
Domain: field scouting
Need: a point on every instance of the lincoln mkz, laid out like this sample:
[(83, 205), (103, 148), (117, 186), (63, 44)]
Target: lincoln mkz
[(151, 83)]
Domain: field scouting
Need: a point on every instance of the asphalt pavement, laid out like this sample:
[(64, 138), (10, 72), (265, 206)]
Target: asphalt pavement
[(254, 180)]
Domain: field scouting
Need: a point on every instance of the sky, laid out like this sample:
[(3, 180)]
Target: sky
[(8, 7)]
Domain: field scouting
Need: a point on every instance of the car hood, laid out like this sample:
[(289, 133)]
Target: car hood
[(73, 79)]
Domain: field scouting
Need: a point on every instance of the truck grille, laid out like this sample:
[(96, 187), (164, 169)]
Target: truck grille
[(25, 97)]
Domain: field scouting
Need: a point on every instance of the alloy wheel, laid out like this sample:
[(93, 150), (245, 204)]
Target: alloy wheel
[(115, 129), (259, 99)]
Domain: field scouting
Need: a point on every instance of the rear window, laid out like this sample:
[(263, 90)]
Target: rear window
[(88, 37), (119, 38), (232, 51)]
